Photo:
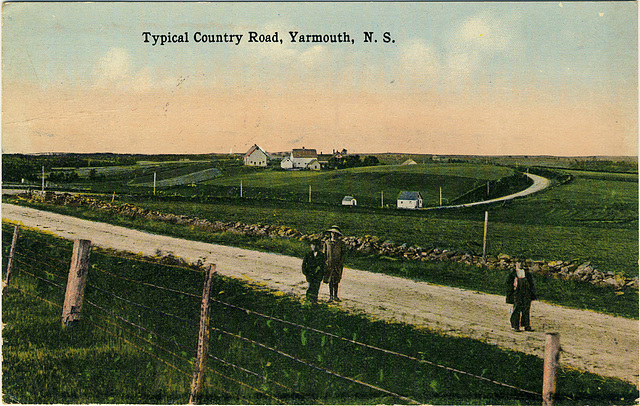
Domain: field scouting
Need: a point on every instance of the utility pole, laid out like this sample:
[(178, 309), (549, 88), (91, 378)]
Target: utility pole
[(43, 178), (154, 183), (240, 188), (382, 199), (440, 195), (309, 193)]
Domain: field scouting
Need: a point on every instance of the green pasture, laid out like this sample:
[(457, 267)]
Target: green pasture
[(369, 185), (144, 354), (590, 218)]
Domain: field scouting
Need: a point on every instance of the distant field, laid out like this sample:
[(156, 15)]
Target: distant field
[(365, 183)]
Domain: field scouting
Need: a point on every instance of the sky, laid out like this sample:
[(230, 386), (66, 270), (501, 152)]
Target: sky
[(486, 78)]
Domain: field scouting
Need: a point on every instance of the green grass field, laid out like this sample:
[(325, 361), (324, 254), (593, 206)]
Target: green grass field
[(141, 349)]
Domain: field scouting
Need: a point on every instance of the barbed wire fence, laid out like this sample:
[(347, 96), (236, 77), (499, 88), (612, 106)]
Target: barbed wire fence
[(151, 335)]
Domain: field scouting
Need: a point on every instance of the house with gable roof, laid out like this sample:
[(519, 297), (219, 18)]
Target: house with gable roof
[(409, 200), (301, 159), (256, 156)]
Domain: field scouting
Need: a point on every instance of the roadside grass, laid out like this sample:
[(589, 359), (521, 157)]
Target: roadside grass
[(92, 363)]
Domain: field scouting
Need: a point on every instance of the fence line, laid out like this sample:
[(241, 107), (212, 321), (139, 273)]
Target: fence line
[(374, 347), (151, 354), (328, 371), (158, 335), (390, 352)]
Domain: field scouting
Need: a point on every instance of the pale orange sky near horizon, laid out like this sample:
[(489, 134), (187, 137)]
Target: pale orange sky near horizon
[(480, 90)]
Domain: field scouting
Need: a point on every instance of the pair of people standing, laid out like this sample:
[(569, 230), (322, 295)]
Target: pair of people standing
[(324, 263)]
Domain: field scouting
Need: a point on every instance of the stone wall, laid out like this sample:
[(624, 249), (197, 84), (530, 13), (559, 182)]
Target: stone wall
[(568, 270)]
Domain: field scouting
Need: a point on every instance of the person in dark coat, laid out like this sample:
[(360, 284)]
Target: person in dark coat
[(334, 251), (520, 293), (313, 266)]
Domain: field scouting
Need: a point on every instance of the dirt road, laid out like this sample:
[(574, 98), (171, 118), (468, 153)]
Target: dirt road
[(539, 183), (590, 341)]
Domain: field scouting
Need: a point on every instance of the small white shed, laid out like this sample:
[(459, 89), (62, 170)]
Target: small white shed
[(409, 200), (349, 201)]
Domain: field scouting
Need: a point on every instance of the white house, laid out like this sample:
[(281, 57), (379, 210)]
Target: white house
[(409, 200), (301, 159), (349, 201), (256, 156)]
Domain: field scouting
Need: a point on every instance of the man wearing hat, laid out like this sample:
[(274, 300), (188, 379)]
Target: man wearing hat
[(313, 266), (334, 251)]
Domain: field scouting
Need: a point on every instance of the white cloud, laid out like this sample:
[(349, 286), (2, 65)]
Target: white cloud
[(116, 70), (481, 39), (419, 58)]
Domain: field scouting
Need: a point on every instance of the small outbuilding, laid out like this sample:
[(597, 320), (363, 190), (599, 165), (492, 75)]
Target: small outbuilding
[(409, 200), (349, 201)]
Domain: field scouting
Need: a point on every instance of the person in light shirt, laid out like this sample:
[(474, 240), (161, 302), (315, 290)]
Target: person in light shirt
[(520, 293)]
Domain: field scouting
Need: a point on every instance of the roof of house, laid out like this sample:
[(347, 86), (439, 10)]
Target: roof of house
[(254, 148), (405, 195), (304, 153), (347, 198), (409, 162)]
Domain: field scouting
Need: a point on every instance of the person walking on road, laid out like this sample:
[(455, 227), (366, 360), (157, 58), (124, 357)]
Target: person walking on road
[(313, 266), (520, 293), (334, 251)]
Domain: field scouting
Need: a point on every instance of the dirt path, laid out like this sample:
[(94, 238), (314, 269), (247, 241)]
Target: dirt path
[(590, 341)]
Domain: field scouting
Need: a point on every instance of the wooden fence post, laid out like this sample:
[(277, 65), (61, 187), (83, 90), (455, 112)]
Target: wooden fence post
[(12, 252), (551, 355), (484, 240), (203, 338), (75, 282)]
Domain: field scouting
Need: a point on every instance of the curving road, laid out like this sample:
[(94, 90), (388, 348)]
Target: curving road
[(539, 183), (593, 342)]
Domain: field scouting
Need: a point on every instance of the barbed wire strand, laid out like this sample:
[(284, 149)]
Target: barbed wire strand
[(42, 241), (319, 368), (247, 385), (101, 252), (41, 263), (135, 325), (390, 352), (143, 306), (15, 399), (38, 277), (261, 377), (145, 283), (65, 263), (35, 296)]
